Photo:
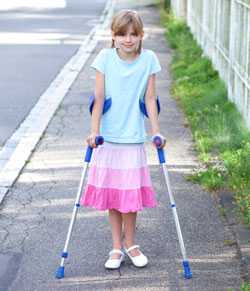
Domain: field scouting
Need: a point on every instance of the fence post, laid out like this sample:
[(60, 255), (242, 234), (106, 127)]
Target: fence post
[(231, 52), (179, 7), (189, 14), (233, 56), (247, 66), (184, 9)]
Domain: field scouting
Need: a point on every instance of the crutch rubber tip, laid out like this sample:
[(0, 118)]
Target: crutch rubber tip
[(187, 270), (60, 272)]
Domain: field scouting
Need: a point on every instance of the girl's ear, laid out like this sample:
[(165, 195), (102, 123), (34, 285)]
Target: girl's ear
[(113, 39)]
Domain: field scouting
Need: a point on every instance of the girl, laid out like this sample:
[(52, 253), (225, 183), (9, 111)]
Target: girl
[(118, 178)]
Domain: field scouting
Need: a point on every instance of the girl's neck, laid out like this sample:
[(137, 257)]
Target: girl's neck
[(127, 56)]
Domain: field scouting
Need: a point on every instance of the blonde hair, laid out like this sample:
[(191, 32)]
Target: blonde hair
[(122, 20)]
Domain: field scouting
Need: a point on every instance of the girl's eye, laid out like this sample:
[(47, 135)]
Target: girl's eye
[(124, 34)]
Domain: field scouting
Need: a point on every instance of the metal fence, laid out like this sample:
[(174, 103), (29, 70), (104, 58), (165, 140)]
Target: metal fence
[(222, 28)]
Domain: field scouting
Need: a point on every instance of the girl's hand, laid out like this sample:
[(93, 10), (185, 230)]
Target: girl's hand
[(91, 140), (163, 139)]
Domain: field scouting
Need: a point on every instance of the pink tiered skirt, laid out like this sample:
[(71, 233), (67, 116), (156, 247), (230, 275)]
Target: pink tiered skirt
[(119, 178)]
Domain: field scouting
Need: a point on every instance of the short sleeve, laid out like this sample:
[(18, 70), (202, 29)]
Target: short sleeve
[(155, 64), (100, 61)]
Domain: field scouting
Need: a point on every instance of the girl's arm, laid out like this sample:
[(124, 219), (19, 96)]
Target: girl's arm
[(150, 100), (97, 108)]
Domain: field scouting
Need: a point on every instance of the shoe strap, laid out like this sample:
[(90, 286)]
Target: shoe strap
[(132, 248), (116, 251)]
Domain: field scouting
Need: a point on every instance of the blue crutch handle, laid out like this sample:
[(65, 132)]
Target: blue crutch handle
[(143, 107), (106, 105), (99, 140), (158, 142)]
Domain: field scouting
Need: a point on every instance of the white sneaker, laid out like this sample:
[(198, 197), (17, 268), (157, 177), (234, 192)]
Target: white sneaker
[(138, 261), (114, 263)]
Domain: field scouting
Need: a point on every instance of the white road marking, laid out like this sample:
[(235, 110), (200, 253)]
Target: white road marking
[(37, 4)]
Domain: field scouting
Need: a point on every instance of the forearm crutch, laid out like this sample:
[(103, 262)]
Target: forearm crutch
[(187, 271), (60, 271)]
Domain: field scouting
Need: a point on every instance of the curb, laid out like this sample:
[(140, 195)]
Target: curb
[(240, 231)]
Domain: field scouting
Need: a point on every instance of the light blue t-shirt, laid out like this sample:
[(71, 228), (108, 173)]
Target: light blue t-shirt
[(126, 83)]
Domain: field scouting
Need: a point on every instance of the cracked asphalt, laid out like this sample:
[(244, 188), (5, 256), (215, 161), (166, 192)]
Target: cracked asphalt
[(36, 212)]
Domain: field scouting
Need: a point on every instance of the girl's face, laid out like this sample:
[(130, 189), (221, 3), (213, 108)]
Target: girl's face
[(128, 42)]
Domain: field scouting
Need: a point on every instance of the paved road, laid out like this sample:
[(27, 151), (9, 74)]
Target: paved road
[(35, 42), (36, 212)]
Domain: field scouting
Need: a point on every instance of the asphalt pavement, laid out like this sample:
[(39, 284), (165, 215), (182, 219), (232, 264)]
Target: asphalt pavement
[(35, 214), (36, 39)]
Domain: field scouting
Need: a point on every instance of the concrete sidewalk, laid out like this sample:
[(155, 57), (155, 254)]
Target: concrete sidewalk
[(35, 215)]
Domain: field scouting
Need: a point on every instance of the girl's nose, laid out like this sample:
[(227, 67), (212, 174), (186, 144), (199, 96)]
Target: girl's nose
[(128, 37)]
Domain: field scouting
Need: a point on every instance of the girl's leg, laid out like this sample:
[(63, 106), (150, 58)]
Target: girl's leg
[(129, 220), (115, 219)]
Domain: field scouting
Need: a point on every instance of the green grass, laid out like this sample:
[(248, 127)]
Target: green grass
[(221, 137), (245, 287)]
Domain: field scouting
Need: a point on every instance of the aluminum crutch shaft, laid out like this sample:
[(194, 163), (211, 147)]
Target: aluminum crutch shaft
[(187, 271), (60, 271), (176, 219)]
